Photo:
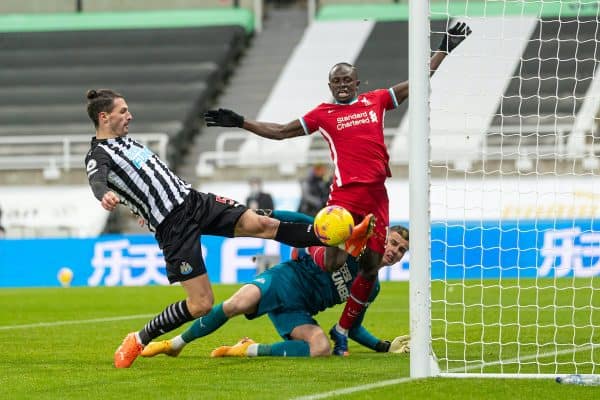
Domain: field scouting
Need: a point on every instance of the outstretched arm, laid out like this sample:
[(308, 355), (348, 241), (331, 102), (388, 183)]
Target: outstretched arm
[(361, 335), (269, 130), (453, 37)]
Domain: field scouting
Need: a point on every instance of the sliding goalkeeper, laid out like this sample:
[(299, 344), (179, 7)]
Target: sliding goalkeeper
[(291, 293)]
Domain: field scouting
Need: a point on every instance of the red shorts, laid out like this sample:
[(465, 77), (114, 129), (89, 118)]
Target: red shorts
[(361, 199)]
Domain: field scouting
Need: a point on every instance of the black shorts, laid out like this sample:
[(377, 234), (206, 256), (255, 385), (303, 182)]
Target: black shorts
[(179, 234)]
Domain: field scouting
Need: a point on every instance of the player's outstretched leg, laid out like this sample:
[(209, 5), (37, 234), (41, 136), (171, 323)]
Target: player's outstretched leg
[(162, 347), (128, 351), (240, 349), (360, 235), (340, 342)]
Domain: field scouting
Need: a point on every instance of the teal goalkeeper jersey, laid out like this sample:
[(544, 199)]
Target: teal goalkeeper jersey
[(316, 288), (319, 289), (301, 286)]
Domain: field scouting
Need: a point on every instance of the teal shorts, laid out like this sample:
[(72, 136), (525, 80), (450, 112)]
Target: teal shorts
[(282, 299)]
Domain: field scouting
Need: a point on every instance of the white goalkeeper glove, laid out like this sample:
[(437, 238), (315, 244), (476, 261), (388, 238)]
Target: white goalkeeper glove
[(400, 345)]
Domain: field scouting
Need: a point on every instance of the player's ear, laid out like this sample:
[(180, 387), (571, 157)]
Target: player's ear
[(357, 83)]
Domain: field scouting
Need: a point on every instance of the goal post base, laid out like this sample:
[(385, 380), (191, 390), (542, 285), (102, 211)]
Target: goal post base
[(496, 376)]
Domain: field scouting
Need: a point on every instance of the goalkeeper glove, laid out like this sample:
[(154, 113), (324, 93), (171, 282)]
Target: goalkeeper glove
[(223, 117), (454, 37), (400, 345)]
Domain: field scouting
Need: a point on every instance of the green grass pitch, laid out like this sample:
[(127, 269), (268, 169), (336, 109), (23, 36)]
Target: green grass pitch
[(58, 344)]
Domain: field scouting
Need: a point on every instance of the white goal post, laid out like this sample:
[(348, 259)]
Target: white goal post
[(505, 242)]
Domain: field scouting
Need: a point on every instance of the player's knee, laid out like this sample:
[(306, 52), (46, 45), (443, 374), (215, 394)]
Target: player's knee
[(334, 259), (320, 347), (370, 275), (331, 266), (268, 225), (369, 264), (252, 224), (233, 306), (200, 307)]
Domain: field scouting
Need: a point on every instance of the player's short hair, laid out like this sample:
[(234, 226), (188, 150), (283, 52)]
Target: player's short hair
[(100, 100), (402, 231), (341, 64)]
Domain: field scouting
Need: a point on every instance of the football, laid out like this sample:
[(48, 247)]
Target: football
[(333, 225)]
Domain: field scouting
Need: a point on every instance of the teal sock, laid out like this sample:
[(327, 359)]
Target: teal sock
[(206, 324), (289, 348)]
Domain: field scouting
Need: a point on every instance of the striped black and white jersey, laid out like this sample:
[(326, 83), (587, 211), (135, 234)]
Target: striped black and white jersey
[(139, 177)]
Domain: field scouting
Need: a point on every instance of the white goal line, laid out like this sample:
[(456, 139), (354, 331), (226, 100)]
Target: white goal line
[(452, 373), (456, 372), (74, 322)]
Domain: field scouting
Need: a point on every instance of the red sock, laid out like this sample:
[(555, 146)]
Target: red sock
[(359, 296), (318, 255)]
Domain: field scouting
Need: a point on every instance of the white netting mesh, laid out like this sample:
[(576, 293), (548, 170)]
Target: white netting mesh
[(515, 196)]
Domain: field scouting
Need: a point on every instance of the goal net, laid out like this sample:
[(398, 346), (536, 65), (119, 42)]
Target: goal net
[(514, 189)]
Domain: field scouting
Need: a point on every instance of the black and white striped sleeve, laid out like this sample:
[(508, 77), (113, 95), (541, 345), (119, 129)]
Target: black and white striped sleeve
[(97, 166)]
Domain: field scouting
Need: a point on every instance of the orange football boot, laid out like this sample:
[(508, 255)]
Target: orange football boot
[(360, 234), (128, 351), (237, 350)]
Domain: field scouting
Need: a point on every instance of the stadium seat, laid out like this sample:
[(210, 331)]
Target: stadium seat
[(109, 74), (48, 94), (167, 76), (69, 39)]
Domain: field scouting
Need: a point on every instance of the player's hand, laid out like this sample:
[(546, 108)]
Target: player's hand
[(400, 345), (223, 117), (454, 37), (110, 201)]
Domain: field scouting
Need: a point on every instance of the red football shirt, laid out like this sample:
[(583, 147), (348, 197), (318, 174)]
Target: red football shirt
[(354, 133)]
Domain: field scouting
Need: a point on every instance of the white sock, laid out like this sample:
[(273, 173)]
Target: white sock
[(341, 330), (252, 350), (177, 342)]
